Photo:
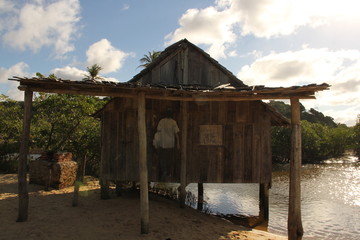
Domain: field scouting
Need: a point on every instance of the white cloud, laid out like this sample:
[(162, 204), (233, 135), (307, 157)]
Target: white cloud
[(75, 74), (106, 56), (209, 26), (340, 69), (7, 15), (125, 7), (218, 26), (39, 23), (20, 69), (69, 73)]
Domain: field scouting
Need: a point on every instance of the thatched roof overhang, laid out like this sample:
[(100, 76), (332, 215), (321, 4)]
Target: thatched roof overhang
[(174, 93)]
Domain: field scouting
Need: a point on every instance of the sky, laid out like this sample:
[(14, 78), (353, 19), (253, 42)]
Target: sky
[(262, 42)]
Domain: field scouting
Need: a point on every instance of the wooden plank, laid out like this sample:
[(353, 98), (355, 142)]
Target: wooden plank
[(130, 143), (248, 153), (222, 113), (264, 201), (238, 165), (79, 180), (117, 144), (219, 166), (257, 146), (168, 72), (23, 153), (216, 98), (190, 142), (104, 167), (200, 196), (194, 67), (108, 147), (185, 66), (295, 229), (242, 112), (155, 75), (112, 143), (184, 126), (229, 154), (257, 153), (231, 113), (121, 146), (266, 170), (143, 172), (164, 94)]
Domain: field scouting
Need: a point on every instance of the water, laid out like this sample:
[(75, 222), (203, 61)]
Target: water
[(330, 199)]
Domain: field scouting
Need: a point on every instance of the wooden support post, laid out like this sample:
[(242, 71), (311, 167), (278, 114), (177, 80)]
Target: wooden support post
[(264, 201), (200, 204), (104, 189), (118, 189), (184, 125), (143, 171), (49, 176), (295, 229), (24, 150), (79, 180)]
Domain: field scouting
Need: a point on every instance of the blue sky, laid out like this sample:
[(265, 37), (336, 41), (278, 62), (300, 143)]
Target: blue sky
[(269, 42)]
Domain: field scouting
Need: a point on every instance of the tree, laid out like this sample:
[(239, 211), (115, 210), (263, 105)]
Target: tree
[(315, 116), (93, 73), (356, 139), (281, 144), (11, 115), (314, 138), (10, 124), (148, 59), (322, 138), (61, 121)]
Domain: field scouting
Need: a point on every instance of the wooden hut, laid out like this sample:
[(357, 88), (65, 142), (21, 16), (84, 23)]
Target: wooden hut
[(224, 126), (227, 141)]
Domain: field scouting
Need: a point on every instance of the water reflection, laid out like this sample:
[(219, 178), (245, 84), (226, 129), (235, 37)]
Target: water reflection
[(330, 199)]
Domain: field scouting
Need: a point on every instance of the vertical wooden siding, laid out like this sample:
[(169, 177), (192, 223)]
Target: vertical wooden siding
[(244, 156)]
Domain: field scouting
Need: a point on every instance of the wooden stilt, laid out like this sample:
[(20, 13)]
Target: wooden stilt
[(143, 172), (264, 201), (104, 189), (200, 204), (118, 189), (79, 181), (24, 150), (184, 125), (295, 229)]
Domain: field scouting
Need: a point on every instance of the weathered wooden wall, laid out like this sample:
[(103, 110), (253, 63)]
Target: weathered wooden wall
[(226, 141), (200, 71), (240, 151)]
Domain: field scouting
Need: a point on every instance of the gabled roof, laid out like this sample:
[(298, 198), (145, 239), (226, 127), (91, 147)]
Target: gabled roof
[(177, 47), (233, 90)]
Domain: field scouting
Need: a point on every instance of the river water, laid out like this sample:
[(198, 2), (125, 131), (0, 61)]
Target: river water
[(330, 199)]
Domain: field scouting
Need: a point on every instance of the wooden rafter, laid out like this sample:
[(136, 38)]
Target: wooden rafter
[(187, 93)]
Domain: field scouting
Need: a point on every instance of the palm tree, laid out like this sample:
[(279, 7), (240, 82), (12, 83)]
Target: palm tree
[(93, 73), (147, 59)]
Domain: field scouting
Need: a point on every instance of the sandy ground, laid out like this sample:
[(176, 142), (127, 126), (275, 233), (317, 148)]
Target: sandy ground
[(51, 216)]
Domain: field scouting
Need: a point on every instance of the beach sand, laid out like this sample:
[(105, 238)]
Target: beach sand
[(51, 216)]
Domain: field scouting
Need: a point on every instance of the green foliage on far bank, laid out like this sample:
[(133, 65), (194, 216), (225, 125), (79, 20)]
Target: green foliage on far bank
[(322, 138), (356, 140)]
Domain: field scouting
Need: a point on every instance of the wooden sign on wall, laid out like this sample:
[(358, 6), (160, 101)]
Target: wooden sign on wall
[(211, 135)]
